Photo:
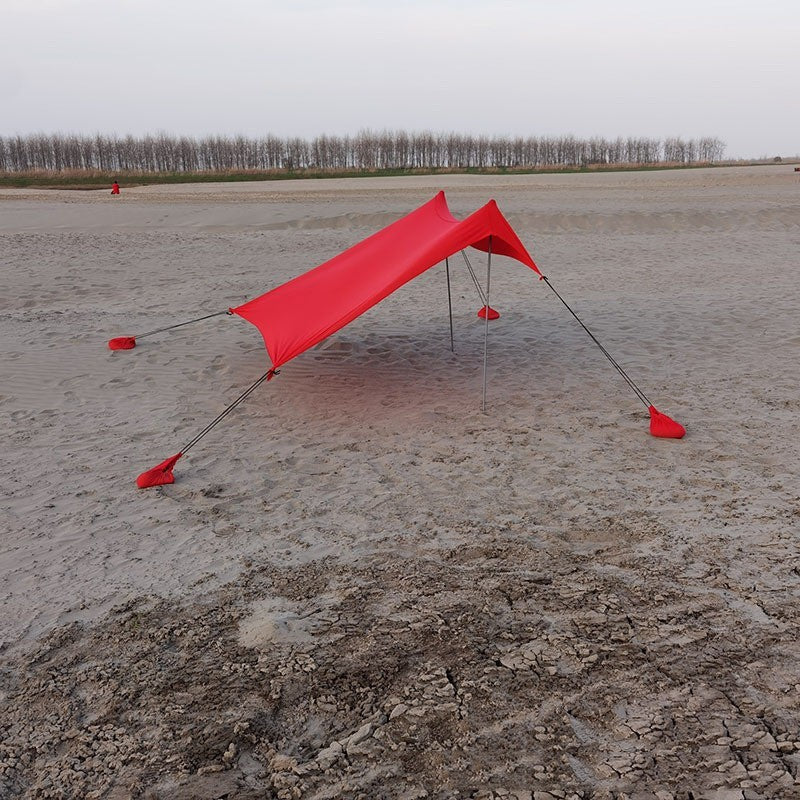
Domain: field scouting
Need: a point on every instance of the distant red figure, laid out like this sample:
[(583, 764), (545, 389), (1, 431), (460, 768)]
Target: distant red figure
[(115, 188)]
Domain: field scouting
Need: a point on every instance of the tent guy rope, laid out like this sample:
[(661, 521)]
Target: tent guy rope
[(162, 473), (660, 424), (129, 342)]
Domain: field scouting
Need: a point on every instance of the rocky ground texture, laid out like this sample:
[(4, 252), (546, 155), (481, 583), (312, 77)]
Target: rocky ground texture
[(494, 671)]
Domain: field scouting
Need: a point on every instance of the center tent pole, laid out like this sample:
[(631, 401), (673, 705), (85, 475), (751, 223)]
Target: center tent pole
[(449, 303), (486, 326)]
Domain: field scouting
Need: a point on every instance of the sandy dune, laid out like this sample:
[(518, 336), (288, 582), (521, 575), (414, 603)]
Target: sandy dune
[(360, 585)]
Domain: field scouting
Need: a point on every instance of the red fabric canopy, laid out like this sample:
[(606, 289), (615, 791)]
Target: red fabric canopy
[(309, 308)]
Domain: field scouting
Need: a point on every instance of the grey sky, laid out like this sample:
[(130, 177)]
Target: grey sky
[(727, 69)]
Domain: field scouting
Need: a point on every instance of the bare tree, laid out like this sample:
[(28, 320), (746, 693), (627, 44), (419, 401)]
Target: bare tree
[(367, 150)]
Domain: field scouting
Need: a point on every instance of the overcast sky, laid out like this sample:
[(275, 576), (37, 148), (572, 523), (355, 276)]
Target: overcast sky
[(583, 67)]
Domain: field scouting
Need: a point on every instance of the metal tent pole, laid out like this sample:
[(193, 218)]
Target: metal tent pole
[(486, 326), (481, 295), (449, 303)]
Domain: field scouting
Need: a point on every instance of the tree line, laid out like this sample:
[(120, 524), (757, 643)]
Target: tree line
[(367, 150)]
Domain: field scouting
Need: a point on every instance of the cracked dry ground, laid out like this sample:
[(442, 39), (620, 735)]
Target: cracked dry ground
[(497, 670)]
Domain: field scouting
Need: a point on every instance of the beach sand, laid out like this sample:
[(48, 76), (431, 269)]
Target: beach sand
[(360, 585)]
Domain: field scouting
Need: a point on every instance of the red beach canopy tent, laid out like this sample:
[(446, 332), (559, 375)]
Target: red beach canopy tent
[(309, 308), (302, 312)]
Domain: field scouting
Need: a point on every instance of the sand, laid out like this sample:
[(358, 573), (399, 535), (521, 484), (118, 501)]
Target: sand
[(360, 585)]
